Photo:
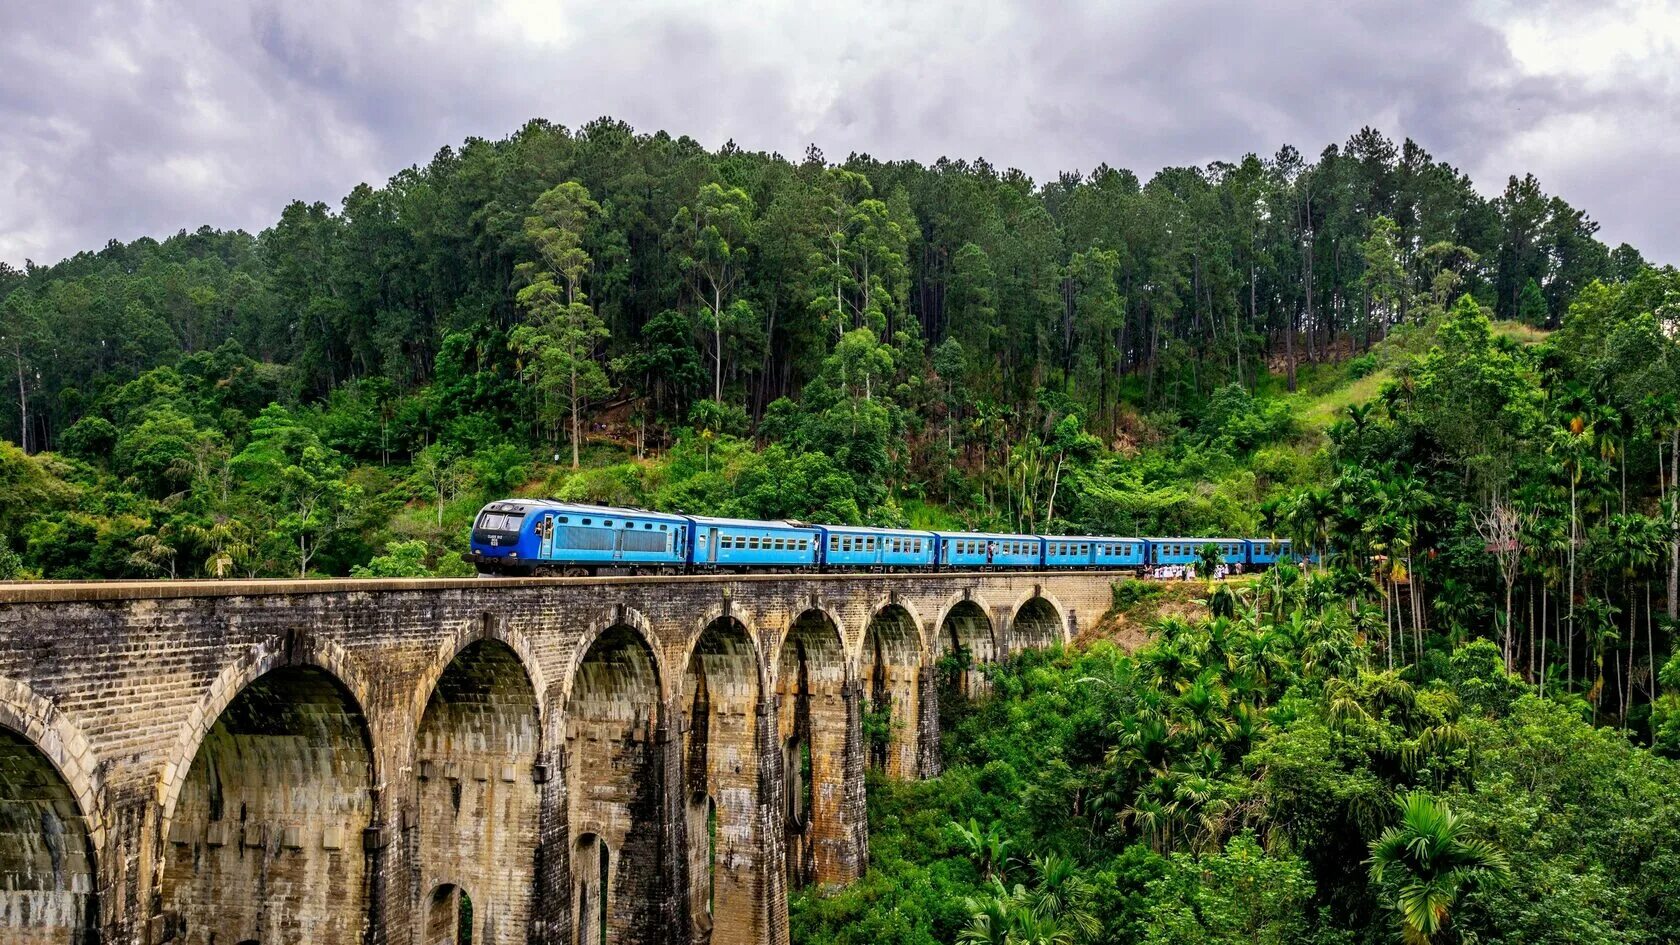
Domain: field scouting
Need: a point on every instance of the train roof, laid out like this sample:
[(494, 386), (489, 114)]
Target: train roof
[(1203, 540), (583, 508), (1086, 538), (871, 530), (746, 522), (1002, 535)]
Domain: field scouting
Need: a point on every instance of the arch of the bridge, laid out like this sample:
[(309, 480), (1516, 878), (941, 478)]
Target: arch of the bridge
[(450, 916), (49, 867), (616, 786), (721, 702), (478, 802), (1038, 621), (815, 722), (294, 648), (266, 841), (485, 626), (965, 635), (890, 669)]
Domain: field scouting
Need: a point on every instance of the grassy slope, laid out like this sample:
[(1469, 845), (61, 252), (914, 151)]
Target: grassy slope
[(1324, 392)]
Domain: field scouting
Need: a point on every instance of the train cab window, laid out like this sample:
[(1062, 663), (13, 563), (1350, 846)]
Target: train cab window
[(606, 523), (564, 519), (586, 521)]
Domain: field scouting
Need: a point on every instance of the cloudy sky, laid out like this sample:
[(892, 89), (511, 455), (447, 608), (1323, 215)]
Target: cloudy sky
[(142, 117)]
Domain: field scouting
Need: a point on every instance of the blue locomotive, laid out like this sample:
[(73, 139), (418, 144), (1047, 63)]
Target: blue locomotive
[(539, 536)]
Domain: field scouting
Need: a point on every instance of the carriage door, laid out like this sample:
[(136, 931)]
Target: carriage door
[(711, 545), (546, 531), (618, 541)]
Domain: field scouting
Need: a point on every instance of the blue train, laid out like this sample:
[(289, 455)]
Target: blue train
[(537, 536)]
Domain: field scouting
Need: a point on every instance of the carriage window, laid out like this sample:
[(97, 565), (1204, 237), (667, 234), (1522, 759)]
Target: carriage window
[(1084, 549), (606, 523), (781, 544), (752, 543)]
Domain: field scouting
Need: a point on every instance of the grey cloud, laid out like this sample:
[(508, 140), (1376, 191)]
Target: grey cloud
[(123, 120)]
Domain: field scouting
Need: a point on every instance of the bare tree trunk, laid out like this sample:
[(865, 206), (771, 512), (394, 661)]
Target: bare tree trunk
[(576, 422), (717, 344), (1674, 543), (23, 403)]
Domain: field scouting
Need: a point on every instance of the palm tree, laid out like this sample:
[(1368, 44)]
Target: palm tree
[(1428, 861), (986, 846)]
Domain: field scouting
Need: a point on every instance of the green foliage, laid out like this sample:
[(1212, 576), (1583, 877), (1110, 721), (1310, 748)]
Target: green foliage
[(402, 559), (1236, 895), (1256, 778), (1424, 862), (11, 563)]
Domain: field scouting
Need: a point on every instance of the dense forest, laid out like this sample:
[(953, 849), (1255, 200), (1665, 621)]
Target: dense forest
[(1469, 406)]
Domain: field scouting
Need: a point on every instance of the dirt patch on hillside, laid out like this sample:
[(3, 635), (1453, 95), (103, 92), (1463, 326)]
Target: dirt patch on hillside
[(1138, 605)]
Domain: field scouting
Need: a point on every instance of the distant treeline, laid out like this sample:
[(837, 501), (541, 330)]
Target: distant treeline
[(736, 273)]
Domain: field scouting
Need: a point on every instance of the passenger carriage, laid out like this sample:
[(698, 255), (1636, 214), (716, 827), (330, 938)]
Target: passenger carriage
[(874, 548), (1265, 552), (1182, 551), (741, 543), (1118, 552), (980, 550), (1067, 551)]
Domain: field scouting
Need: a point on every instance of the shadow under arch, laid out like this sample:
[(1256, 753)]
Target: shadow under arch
[(450, 916), (477, 798), (487, 626), (890, 669), (966, 640), (291, 649), (816, 724), (616, 780), (721, 701), (49, 856), (249, 855), (1039, 622)]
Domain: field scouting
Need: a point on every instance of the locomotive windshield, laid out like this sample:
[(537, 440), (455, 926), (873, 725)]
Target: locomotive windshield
[(500, 521)]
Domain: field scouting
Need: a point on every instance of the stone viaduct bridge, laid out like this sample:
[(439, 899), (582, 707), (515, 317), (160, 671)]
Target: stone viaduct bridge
[(551, 761)]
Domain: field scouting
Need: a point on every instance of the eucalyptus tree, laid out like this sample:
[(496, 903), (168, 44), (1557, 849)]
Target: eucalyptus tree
[(559, 340), (714, 234)]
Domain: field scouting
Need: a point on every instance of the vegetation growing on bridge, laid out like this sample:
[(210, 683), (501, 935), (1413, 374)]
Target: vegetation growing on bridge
[(1267, 777)]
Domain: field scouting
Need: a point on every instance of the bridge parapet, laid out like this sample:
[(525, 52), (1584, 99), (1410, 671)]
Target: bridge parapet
[(674, 751)]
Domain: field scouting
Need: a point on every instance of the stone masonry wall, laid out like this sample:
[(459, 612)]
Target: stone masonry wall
[(326, 761)]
